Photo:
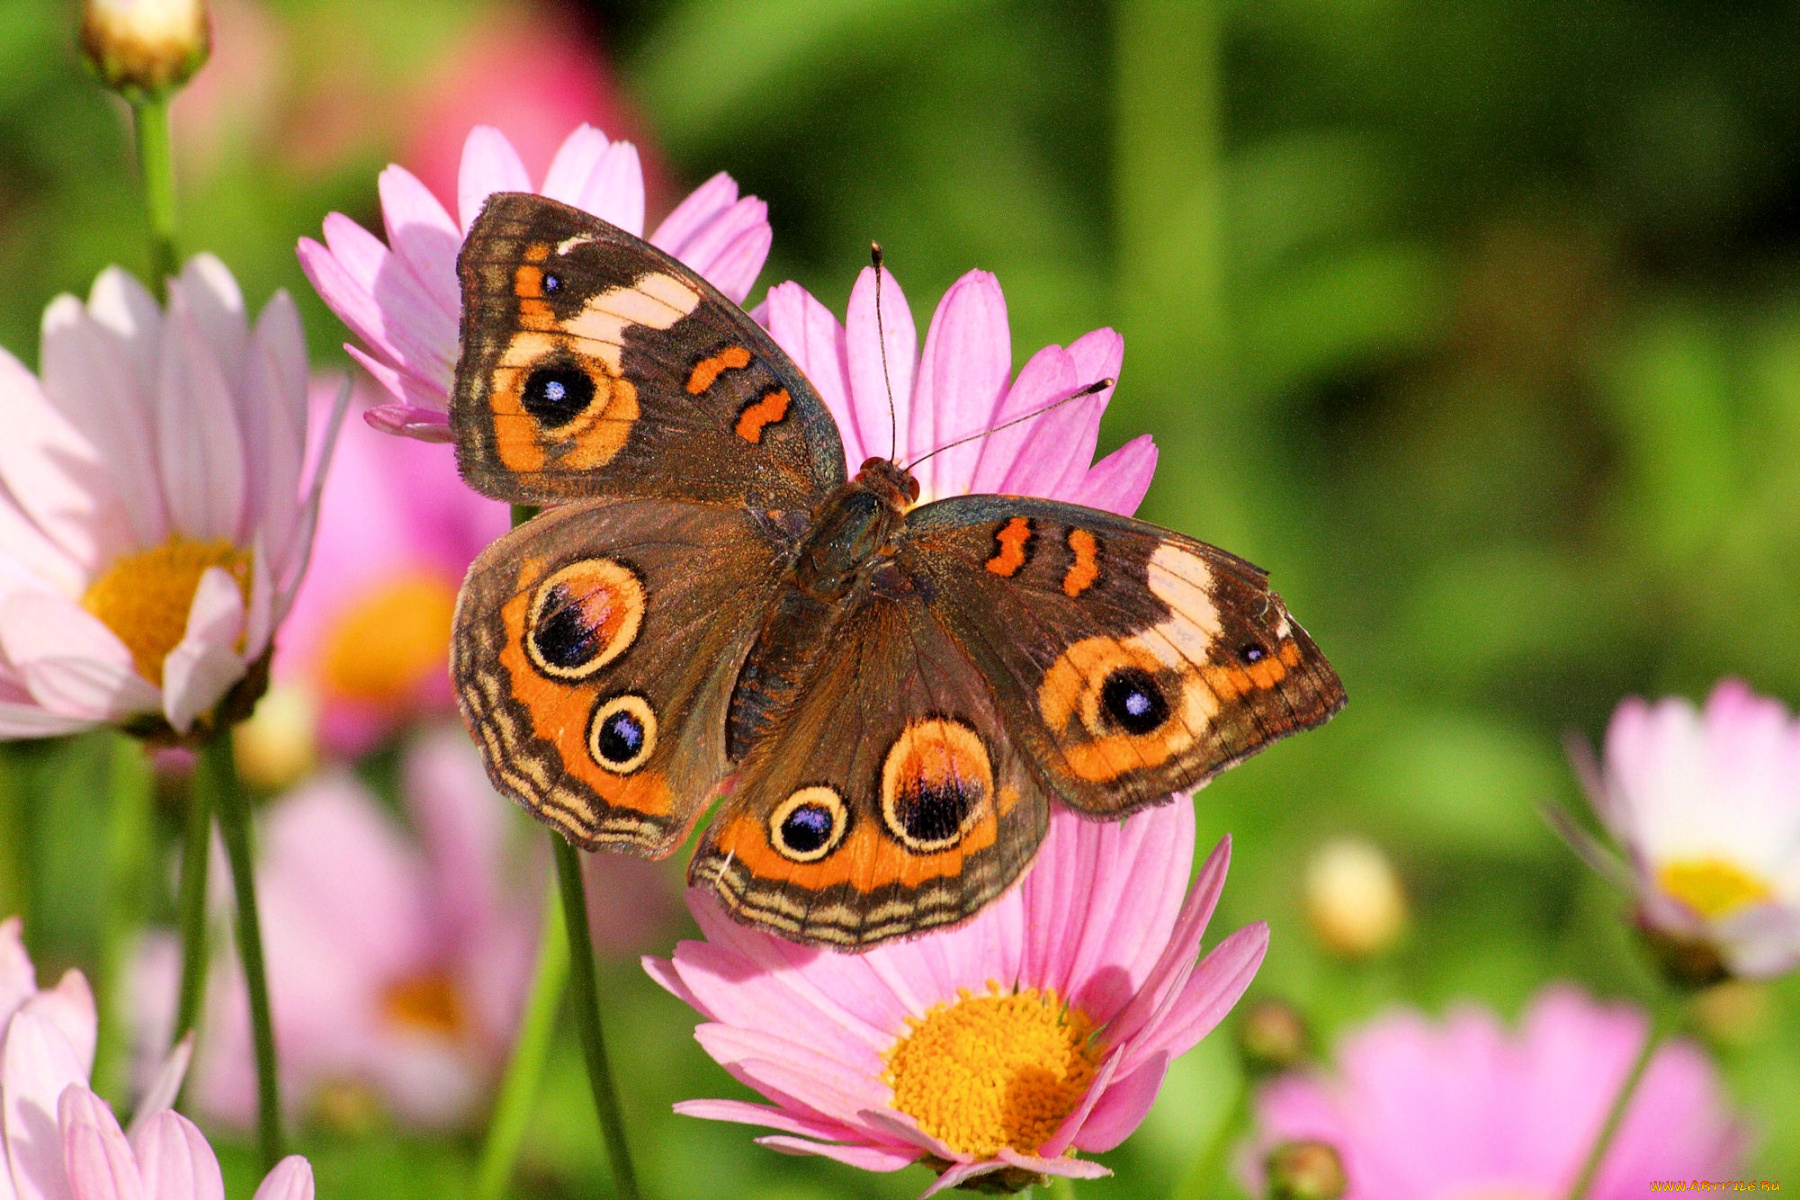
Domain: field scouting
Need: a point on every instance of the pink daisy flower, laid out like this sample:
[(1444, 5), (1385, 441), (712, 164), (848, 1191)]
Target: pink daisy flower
[(155, 506), (1461, 1109), (398, 966), (962, 384), (59, 1141), (402, 298), (1707, 808), (1042, 1027), (368, 637)]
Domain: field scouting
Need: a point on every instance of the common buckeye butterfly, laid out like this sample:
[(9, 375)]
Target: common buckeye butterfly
[(888, 698)]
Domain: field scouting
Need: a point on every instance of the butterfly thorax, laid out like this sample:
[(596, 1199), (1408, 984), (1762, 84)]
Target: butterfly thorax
[(852, 532)]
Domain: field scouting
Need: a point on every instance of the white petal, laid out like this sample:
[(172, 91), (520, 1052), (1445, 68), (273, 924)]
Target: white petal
[(274, 414), (126, 309), (217, 305), (72, 663), (202, 668), (200, 446), (166, 1085), (37, 1067)]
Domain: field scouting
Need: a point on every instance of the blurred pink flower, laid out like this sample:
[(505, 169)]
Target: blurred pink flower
[(59, 1141), (164, 1158), (1707, 807), (1462, 1109), (403, 299), (962, 385), (1043, 1026), (397, 967), (369, 634), (155, 517)]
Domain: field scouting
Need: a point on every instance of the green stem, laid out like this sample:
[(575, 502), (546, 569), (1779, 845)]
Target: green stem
[(1621, 1102), (586, 995), (1208, 1176), (233, 808), (156, 168), (1061, 1188), (196, 857), (128, 845), (525, 1070)]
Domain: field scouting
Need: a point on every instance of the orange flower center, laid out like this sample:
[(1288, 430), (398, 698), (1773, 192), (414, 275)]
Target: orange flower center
[(145, 597), (427, 1003), (993, 1070), (1713, 887), (390, 639)]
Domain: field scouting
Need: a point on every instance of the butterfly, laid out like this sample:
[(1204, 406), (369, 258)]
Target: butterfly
[(885, 698)]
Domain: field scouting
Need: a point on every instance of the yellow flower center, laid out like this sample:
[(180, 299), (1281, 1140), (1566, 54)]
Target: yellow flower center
[(390, 639), (427, 1003), (993, 1070), (1713, 887), (145, 597)]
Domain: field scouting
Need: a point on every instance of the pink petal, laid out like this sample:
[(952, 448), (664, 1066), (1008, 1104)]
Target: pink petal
[(18, 978), (199, 442), (96, 1157), (175, 1161), (813, 338), (423, 236), (126, 309), (870, 391), (1118, 482), (864, 1158), (55, 475), (962, 378), (405, 420), (489, 165), (1065, 1133), (36, 1066), (216, 307), (73, 664), (1177, 961), (825, 1084), (1046, 377), (388, 304), (702, 206), (1121, 1109), (742, 1113), (27, 721), (204, 665), (292, 1179), (602, 178), (960, 1174), (274, 411), (1211, 991), (1069, 1168), (165, 1085), (730, 250), (70, 1007)]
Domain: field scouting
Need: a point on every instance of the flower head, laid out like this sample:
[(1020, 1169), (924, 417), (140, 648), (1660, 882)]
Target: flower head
[(145, 47), (368, 638), (402, 298), (962, 385), (154, 515), (1042, 1027), (397, 968), (1463, 1110), (1707, 807)]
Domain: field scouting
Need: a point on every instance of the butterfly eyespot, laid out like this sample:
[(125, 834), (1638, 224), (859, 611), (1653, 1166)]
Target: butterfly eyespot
[(556, 393), (936, 783), (583, 617), (1252, 653), (552, 282), (809, 824), (622, 735), (1133, 701)]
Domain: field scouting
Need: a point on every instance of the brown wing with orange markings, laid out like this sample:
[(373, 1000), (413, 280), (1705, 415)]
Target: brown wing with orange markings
[(888, 800), (593, 656), (1128, 661), (594, 364)]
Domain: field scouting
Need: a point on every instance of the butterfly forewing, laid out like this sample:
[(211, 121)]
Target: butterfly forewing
[(1128, 660), (593, 365)]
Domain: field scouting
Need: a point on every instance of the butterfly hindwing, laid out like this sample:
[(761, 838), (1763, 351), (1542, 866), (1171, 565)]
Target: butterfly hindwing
[(889, 799), (1127, 660), (593, 364), (593, 656)]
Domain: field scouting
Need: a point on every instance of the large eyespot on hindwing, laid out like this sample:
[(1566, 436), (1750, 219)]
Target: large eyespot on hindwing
[(622, 733), (583, 617), (809, 824), (936, 783)]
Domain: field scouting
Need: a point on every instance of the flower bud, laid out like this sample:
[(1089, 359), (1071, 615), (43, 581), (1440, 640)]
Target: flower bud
[(145, 48), (1354, 900), (1271, 1037), (1305, 1171)]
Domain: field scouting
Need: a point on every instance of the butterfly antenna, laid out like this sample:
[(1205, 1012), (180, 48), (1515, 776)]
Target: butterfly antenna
[(1099, 385), (881, 336)]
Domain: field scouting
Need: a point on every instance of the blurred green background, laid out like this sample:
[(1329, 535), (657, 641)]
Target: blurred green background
[(1478, 324)]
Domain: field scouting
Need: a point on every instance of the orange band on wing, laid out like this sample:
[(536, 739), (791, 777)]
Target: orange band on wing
[(1086, 567), (1013, 539), (866, 859), (770, 409), (707, 371)]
